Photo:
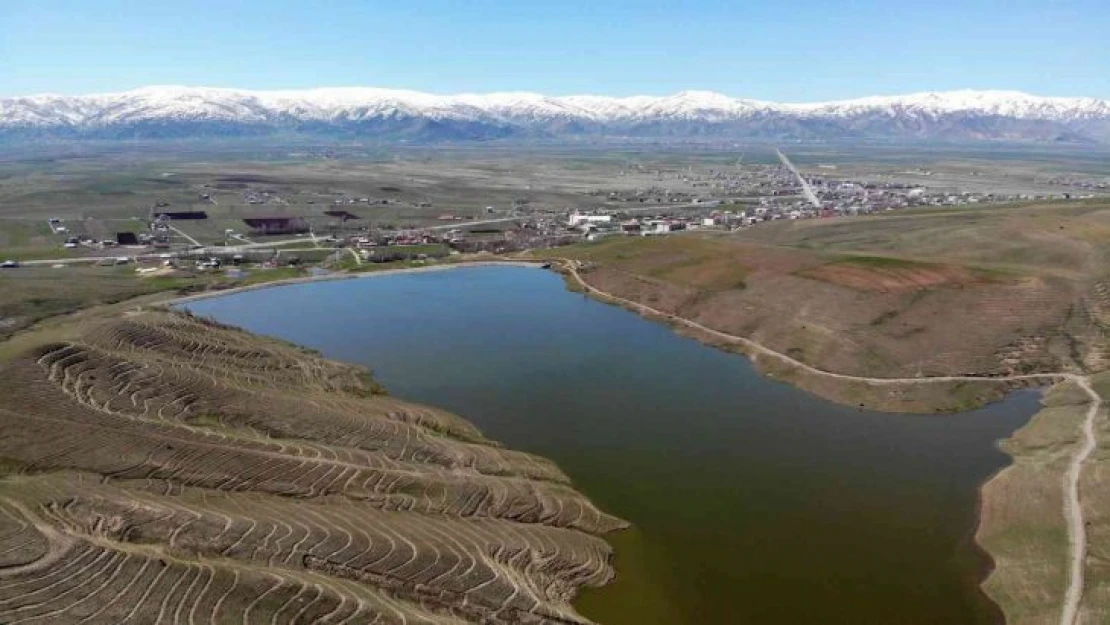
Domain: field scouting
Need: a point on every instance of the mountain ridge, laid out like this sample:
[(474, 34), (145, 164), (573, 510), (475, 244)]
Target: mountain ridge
[(178, 111)]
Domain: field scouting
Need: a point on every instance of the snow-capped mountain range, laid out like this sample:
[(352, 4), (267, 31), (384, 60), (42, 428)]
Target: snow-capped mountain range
[(184, 112)]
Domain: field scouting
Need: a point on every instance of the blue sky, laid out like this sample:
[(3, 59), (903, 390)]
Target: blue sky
[(770, 49)]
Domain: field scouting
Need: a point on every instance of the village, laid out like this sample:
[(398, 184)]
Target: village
[(292, 226)]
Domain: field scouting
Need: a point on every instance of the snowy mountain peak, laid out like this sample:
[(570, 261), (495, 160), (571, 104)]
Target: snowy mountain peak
[(173, 110)]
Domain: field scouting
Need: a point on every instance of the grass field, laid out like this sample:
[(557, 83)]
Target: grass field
[(1022, 524)]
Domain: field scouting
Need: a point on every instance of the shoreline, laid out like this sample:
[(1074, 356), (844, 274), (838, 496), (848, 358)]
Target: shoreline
[(800, 375), (344, 275), (780, 366)]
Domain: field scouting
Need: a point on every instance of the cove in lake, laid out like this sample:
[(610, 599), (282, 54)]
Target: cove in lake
[(752, 501)]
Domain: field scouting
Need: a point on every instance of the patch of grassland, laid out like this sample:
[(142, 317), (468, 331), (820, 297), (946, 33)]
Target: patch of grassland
[(1101, 384), (23, 233), (35, 253), (935, 397), (1031, 238), (348, 264), (1023, 526), (938, 397), (206, 420), (881, 262), (261, 276), (697, 262), (30, 294), (628, 248), (306, 255), (1094, 488), (895, 264)]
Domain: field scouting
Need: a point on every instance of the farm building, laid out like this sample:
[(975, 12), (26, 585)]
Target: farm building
[(126, 238), (341, 215), (276, 225), (181, 215)]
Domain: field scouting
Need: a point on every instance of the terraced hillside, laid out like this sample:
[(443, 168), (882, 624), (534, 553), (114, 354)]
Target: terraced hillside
[(166, 469)]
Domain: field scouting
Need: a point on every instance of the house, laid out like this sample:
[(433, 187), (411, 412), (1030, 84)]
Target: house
[(341, 215), (127, 238)]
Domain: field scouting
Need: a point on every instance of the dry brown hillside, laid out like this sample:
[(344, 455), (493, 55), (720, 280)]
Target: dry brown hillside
[(978, 291), (164, 469)]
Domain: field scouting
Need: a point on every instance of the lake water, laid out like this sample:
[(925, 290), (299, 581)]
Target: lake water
[(753, 502)]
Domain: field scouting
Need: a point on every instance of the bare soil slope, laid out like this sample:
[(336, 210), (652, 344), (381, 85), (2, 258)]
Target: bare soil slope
[(166, 469)]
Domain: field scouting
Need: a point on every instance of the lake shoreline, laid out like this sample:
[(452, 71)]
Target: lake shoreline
[(937, 395), (348, 275), (992, 582), (982, 569), (766, 369)]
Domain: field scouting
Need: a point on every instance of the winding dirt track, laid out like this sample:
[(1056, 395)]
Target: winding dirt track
[(1077, 530), (1073, 511)]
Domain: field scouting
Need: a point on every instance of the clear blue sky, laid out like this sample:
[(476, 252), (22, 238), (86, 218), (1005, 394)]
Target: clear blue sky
[(770, 49)]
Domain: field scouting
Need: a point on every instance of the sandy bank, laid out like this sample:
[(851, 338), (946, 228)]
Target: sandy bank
[(350, 276)]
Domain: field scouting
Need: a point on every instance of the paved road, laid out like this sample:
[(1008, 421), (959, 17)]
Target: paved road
[(200, 251), (806, 189), (182, 233), (71, 261), (636, 209)]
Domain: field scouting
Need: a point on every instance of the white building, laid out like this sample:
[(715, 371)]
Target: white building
[(577, 219)]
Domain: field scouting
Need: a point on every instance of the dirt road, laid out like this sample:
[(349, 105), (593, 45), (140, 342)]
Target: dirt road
[(1077, 529)]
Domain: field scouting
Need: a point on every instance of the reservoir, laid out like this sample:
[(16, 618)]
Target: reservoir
[(751, 501)]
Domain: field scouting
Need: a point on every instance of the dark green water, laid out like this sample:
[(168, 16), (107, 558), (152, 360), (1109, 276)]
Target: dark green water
[(753, 502)]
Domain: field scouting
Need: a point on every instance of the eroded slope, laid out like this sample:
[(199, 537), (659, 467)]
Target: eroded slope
[(167, 469)]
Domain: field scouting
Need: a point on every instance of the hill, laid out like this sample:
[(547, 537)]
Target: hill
[(157, 467), (983, 292)]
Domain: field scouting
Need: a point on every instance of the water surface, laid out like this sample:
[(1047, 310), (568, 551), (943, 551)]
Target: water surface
[(753, 502)]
